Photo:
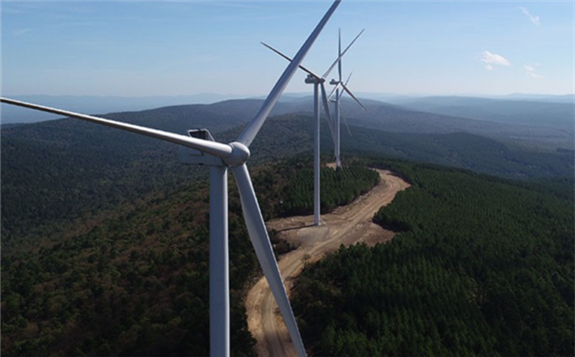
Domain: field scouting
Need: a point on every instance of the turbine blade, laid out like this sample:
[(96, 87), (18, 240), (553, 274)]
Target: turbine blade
[(344, 119), (341, 55), (252, 129), (348, 78), (333, 90), (353, 96), (326, 110), (260, 240), (222, 151), (289, 59)]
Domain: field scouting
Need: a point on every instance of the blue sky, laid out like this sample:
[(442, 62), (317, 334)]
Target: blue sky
[(145, 48)]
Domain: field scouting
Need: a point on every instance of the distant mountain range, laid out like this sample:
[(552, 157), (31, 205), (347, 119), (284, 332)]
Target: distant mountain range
[(542, 122), (523, 112), (474, 107)]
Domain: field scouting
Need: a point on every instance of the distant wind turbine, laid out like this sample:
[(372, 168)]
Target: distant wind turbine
[(318, 81), (203, 150), (338, 94)]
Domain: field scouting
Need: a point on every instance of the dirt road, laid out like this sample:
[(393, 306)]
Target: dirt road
[(346, 225)]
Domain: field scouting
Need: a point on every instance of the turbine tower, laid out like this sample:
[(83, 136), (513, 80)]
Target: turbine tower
[(338, 94), (317, 81), (203, 150)]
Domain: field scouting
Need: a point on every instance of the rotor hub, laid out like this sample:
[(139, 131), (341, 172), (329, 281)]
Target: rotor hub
[(240, 154)]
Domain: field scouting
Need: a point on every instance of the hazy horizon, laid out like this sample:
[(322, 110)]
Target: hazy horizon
[(109, 103)]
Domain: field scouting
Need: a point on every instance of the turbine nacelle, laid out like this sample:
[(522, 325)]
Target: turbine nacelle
[(311, 79)]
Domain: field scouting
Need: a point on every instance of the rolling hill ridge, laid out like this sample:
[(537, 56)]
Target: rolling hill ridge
[(51, 169)]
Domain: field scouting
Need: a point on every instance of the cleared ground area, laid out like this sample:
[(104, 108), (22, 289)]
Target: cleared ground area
[(346, 225)]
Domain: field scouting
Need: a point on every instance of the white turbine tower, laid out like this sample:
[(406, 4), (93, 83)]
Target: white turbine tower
[(202, 149), (318, 81), (338, 94)]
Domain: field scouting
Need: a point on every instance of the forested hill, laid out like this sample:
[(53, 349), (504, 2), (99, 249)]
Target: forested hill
[(57, 171), (543, 124), (481, 266), (555, 112)]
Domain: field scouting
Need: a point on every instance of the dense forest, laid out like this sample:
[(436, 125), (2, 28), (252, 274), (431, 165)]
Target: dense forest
[(481, 266), (135, 282), (336, 189)]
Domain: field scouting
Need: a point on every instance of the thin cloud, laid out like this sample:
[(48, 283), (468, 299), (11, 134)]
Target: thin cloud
[(533, 18), (21, 32), (493, 59), (531, 70)]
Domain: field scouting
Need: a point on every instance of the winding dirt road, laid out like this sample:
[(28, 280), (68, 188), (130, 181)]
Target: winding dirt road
[(346, 225)]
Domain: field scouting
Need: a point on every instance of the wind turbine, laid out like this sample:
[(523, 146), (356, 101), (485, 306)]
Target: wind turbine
[(204, 150), (318, 81), (338, 94)]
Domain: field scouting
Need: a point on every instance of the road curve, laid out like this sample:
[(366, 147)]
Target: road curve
[(346, 225)]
